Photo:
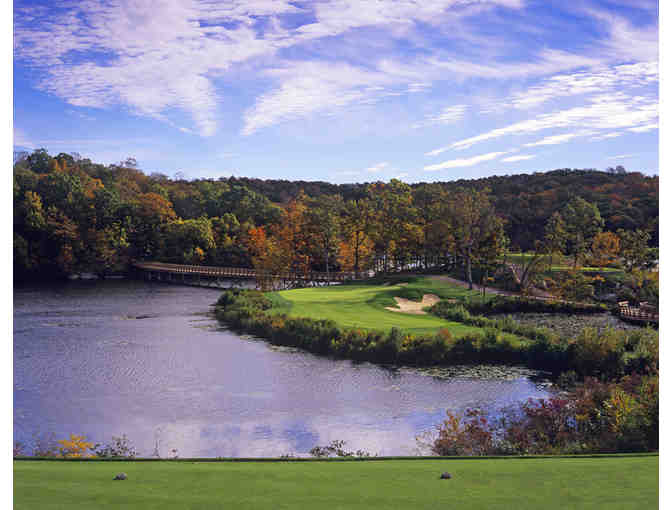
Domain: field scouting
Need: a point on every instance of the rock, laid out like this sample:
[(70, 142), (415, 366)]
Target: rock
[(446, 476), (120, 476)]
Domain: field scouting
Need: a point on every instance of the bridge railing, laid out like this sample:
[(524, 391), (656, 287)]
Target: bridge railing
[(643, 313), (242, 272)]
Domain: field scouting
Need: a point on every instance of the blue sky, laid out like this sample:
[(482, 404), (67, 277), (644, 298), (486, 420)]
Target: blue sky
[(341, 90)]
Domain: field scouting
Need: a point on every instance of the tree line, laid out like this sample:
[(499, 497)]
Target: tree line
[(73, 215)]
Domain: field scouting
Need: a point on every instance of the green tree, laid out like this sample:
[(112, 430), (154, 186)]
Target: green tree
[(357, 245), (634, 249), (582, 222), (323, 221), (476, 233), (555, 236), (393, 220)]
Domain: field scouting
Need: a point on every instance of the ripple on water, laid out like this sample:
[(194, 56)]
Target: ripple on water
[(179, 377)]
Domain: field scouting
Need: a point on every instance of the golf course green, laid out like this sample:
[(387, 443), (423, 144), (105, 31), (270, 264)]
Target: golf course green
[(364, 305), (608, 482)]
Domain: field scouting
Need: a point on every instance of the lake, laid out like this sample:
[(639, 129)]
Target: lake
[(149, 360)]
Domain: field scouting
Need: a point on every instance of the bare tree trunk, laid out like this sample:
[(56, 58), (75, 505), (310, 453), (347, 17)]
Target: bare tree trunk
[(468, 269)]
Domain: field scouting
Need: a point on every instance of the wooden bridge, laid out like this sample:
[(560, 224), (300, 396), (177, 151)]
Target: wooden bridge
[(644, 313), (220, 277)]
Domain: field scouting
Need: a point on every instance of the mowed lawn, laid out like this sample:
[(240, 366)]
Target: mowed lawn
[(363, 306), (562, 263), (544, 483)]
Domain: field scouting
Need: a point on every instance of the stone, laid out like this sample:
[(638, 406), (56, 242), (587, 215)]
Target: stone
[(120, 476), (446, 476)]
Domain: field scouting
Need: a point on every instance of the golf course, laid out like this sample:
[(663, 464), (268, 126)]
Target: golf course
[(609, 482), (373, 307)]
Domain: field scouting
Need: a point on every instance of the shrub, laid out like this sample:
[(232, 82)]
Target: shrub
[(337, 449), (469, 434), (608, 354), (595, 417), (75, 446), (120, 447), (598, 353)]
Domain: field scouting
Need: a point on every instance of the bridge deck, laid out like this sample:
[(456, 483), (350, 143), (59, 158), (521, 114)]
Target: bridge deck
[(240, 272), (637, 314)]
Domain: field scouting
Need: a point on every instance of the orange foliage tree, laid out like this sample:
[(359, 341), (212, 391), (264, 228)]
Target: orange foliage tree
[(75, 446), (606, 248)]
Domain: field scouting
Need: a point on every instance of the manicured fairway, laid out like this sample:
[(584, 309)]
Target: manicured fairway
[(565, 264), (363, 306), (544, 483)]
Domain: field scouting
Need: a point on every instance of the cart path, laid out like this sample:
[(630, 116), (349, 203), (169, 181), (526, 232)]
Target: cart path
[(490, 290)]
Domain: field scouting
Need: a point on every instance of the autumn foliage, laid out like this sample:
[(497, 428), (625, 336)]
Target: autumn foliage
[(72, 215)]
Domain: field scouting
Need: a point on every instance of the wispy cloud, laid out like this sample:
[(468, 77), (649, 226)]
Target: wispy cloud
[(553, 140), (457, 163), (149, 55), (522, 157), (155, 55), (643, 129), (21, 139), (600, 80), (310, 87), (605, 111), (448, 115), (606, 136), (377, 167)]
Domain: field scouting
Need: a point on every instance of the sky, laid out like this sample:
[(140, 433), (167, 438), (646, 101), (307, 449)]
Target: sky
[(340, 90)]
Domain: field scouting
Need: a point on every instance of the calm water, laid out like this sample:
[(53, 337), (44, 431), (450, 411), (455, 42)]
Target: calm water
[(148, 360)]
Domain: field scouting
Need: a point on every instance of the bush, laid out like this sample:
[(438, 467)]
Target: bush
[(119, 447), (608, 354), (598, 353), (505, 304), (596, 417), (337, 449)]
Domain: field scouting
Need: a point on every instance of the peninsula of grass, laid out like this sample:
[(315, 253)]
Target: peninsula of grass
[(364, 306), (606, 482), (352, 321)]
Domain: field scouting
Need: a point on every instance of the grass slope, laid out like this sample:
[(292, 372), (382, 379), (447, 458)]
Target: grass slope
[(565, 263), (363, 305), (577, 483)]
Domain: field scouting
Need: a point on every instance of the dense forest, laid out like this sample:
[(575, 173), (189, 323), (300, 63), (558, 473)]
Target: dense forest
[(73, 215)]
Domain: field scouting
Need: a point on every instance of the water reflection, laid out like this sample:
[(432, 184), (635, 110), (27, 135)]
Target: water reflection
[(145, 359)]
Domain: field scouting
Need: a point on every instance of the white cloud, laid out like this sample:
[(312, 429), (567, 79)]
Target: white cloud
[(338, 16), (156, 55), (448, 115), (599, 80), (522, 157), (606, 136), (604, 111), (21, 139), (418, 87), (621, 156), (311, 87), (378, 167), (553, 140), (151, 55), (644, 129), (457, 163), (627, 42), (546, 61)]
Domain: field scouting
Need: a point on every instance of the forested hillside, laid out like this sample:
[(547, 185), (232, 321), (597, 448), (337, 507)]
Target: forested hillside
[(73, 215)]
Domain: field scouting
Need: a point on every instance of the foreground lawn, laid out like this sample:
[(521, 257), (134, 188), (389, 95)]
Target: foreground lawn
[(363, 306), (548, 483), (563, 264)]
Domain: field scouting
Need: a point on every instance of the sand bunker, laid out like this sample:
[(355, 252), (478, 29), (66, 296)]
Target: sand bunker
[(415, 307)]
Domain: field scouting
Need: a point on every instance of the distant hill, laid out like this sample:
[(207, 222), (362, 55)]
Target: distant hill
[(625, 200)]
